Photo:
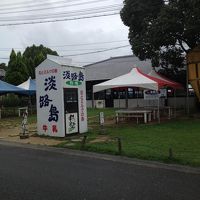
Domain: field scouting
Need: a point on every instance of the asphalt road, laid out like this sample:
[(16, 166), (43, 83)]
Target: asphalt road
[(37, 174)]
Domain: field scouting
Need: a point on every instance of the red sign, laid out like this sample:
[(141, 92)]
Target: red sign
[(82, 105), (54, 129), (48, 71)]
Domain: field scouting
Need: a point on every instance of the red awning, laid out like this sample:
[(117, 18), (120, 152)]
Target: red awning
[(168, 82)]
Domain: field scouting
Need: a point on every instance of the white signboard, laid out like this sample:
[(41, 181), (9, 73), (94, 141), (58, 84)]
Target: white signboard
[(101, 118), (153, 94), (71, 123), (49, 107), (74, 77)]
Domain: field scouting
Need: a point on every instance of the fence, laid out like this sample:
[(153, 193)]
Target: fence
[(14, 111)]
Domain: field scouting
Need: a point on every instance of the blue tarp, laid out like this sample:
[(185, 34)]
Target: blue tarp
[(8, 88)]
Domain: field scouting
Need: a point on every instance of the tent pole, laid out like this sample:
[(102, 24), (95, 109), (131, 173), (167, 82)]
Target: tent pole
[(187, 93), (175, 103), (30, 104), (119, 98), (158, 107), (127, 98), (137, 96), (92, 99)]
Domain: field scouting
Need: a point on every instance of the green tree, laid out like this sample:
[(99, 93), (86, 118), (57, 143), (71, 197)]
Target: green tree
[(22, 66), (3, 69), (17, 71), (30, 66), (163, 31), (3, 66), (34, 55)]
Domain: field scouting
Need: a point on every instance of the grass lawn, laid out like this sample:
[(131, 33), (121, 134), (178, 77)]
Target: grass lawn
[(151, 141), (95, 112)]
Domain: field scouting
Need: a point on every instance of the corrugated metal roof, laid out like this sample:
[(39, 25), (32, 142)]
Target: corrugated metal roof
[(115, 66)]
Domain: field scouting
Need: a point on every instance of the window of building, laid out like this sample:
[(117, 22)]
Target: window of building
[(131, 93), (99, 95), (89, 94)]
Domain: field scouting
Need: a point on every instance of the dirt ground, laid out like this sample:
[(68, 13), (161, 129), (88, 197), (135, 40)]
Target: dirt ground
[(11, 133)]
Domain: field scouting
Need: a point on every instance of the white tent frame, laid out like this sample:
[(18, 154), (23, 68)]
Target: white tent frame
[(126, 80)]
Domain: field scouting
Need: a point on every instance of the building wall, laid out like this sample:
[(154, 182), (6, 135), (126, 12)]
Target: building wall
[(89, 103), (180, 102), (97, 103), (121, 103), (132, 103), (114, 67)]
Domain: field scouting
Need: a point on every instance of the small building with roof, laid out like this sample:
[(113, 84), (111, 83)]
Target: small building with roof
[(61, 97)]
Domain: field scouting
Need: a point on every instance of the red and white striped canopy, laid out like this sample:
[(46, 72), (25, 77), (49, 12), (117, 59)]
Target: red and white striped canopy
[(171, 83), (135, 78)]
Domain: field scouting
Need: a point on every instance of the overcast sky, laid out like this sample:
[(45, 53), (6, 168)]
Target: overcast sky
[(83, 31)]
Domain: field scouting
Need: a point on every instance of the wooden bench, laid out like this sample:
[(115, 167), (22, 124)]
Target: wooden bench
[(124, 114), (130, 116)]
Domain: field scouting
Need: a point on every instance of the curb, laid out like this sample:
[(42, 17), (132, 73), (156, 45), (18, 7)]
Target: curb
[(120, 159)]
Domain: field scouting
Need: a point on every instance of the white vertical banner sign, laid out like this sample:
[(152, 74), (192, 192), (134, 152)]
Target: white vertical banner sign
[(71, 123), (49, 106), (101, 118)]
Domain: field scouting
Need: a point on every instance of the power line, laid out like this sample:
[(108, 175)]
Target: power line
[(5, 58), (50, 8), (93, 52), (80, 13), (101, 61), (33, 4), (86, 44), (98, 8), (59, 20), (20, 2), (97, 51), (70, 50), (29, 2), (74, 45)]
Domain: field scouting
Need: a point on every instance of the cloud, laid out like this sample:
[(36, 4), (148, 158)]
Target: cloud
[(94, 30)]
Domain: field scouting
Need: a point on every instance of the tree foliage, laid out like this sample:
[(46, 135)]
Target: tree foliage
[(22, 66), (17, 70), (3, 66), (34, 55), (162, 31)]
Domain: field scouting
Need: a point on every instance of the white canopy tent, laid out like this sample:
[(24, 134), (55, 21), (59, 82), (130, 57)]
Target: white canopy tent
[(29, 86), (135, 78)]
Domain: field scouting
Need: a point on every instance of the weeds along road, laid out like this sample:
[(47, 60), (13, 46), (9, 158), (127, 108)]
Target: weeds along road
[(41, 174)]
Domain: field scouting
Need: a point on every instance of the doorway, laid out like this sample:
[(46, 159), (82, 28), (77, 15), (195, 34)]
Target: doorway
[(109, 102), (71, 110)]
